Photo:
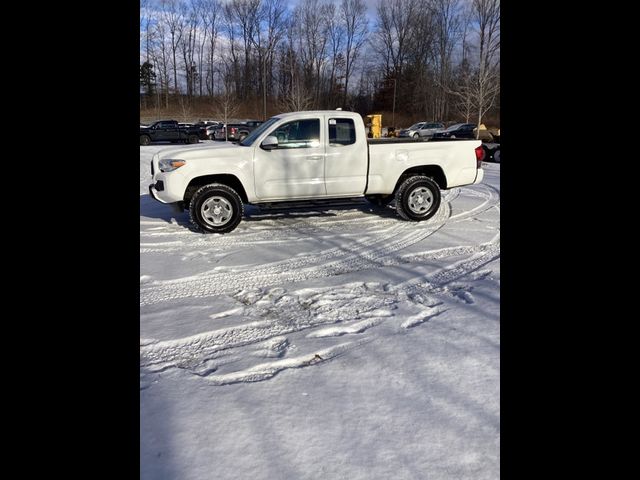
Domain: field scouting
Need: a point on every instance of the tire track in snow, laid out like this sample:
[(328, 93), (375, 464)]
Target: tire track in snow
[(336, 261), (347, 310), (273, 230), (272, 316), (274, 313)]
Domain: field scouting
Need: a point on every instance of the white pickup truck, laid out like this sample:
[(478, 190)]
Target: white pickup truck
[(313, 155)]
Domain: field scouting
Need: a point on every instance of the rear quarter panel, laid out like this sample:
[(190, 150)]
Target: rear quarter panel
[(457, 160)]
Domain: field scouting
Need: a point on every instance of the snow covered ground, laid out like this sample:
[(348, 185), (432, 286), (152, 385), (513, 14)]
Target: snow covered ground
[(335, 343)]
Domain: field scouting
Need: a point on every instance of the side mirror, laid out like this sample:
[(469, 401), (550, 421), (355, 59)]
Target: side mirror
[(269, 143)]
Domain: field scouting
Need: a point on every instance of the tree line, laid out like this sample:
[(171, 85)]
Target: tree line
[(434, 59)]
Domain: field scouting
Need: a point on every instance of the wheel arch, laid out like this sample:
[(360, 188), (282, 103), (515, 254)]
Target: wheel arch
[(434, 172), (226, 179)]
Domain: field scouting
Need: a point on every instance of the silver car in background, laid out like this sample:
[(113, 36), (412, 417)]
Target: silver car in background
[(422, 130)]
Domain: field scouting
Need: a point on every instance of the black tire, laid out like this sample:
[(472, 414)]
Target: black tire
[(416, 136), (488, 154), (222, 197), (496, 156), (145, 140), (379, 200), (212, 137), (193, 139), (417, 198)]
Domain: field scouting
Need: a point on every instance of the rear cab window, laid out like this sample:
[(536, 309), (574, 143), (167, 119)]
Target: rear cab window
[(342, 131)]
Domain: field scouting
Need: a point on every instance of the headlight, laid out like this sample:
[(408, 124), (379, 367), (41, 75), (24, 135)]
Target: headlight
[(167, 165)]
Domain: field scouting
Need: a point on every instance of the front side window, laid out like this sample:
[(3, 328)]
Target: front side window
[(298, 134), (342, 131)]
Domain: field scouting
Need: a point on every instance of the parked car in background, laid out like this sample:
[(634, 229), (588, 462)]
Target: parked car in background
[(457, 130), (202, 130), (211, 130), (237, 131), (168, 131), (422, 130), (492, 148)]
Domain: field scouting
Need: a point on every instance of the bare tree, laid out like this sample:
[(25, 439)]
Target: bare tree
[(233, 50), (174, 21), (393, 31), (226, 104), (185, 108), (210, 22), (160, 55), (487, 84), (314, 54), (298, 98), (146, 21), (272, 18), (309, 29), (464, 91), (335, 33), (244, 14), (448, 23), (356, 27), (191, 19)]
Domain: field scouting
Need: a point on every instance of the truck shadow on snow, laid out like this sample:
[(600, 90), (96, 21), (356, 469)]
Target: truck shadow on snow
[(150, 208)]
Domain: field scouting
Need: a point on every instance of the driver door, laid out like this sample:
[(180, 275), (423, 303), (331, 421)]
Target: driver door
[(295, 169)]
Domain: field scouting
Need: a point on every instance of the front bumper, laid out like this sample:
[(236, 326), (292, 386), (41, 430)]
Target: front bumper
[(177, 207), (154, 193)]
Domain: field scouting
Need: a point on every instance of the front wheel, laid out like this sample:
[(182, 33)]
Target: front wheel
[(145, 140), (216, 208), (496, 156), (416, 136), (193, 139), (417, 198)]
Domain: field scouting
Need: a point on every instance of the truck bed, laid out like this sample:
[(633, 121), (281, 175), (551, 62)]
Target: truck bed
[(394, 140)]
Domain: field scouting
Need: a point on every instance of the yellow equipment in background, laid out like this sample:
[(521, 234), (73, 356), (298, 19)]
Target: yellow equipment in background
[(375, 125)]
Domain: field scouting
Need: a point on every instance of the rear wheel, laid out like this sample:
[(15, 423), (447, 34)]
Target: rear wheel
[(417, 198), (216, 208), (193, 139)]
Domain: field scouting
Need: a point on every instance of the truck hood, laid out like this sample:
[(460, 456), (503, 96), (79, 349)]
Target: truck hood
[(224, 150)]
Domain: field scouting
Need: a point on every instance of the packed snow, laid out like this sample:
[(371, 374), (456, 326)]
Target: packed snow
[(338, 342)]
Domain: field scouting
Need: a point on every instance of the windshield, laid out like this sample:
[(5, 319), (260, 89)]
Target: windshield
[(454, 127), (415, 126), (249, 139)]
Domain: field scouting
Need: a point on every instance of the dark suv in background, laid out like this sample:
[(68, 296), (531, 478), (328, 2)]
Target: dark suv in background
[(458, 130)]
